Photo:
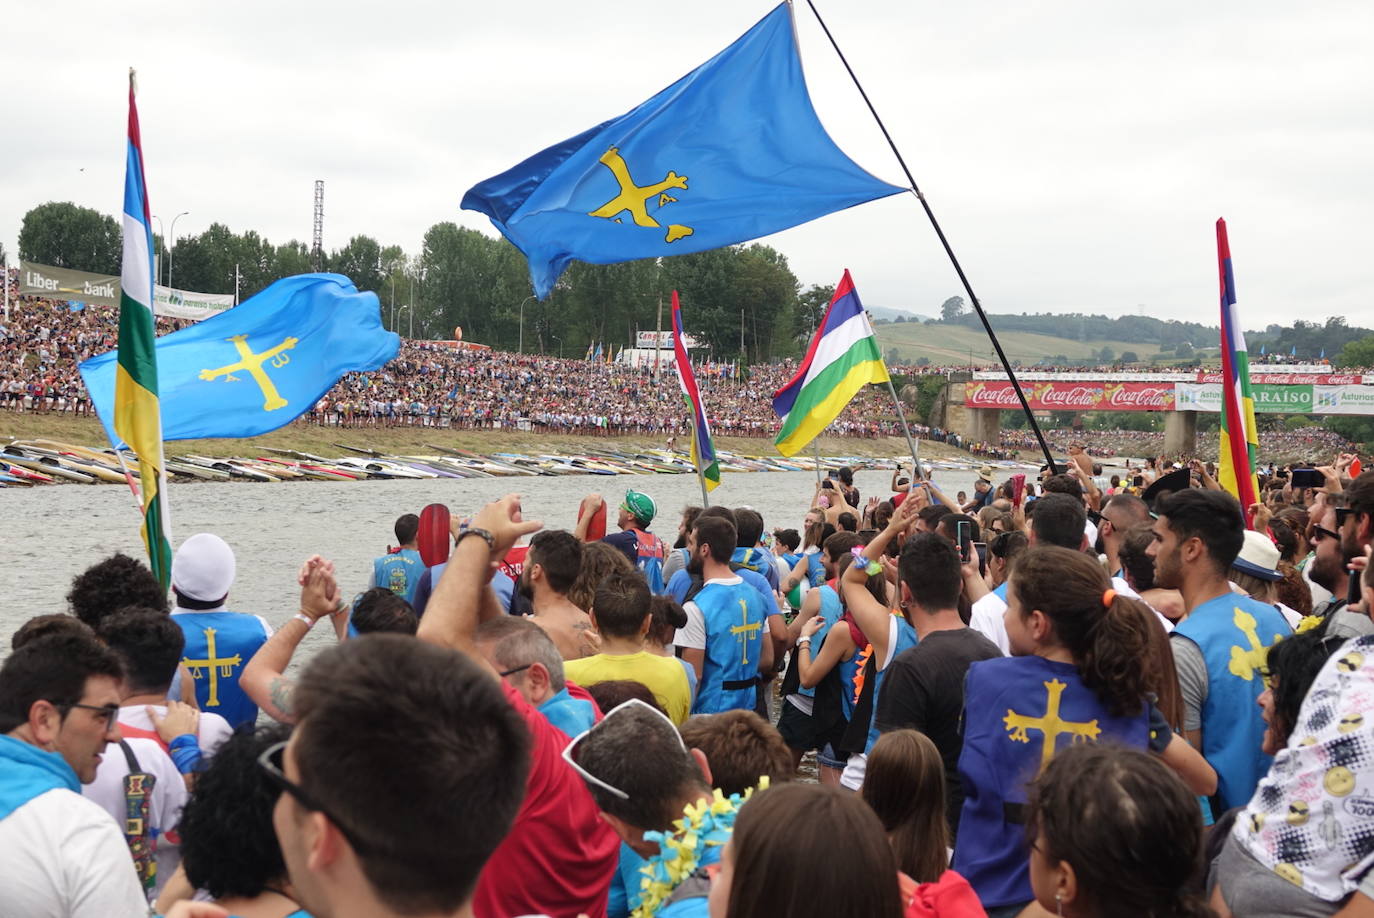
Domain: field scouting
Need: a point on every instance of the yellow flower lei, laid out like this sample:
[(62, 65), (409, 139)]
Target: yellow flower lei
[(706, 823)]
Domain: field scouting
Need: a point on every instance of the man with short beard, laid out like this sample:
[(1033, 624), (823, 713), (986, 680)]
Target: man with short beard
[(1328, 570), (1220, 647)]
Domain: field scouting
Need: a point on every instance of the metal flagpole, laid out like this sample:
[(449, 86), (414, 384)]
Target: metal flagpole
[(816, 450), (949, 250), (910, 443)]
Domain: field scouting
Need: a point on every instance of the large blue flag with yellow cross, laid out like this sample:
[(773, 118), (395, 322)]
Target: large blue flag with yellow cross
[(730, 152), (260, 365)]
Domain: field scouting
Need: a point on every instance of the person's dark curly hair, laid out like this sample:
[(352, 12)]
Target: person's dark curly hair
[(112, 584), (228, 846), (380, 610)]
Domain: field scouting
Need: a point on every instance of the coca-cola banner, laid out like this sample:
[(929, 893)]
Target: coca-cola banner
[(1289, 379), (1072, 396)]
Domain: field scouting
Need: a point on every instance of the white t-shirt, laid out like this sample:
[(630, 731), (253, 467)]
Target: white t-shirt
[(169, 790), (64, 857), (987, 615)]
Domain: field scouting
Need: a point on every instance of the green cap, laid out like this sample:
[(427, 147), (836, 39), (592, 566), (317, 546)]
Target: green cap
[(640, 506)]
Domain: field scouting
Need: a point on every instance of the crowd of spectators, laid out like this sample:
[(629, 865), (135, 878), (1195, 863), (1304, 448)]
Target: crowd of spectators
[(431, 384), (1282, 447)]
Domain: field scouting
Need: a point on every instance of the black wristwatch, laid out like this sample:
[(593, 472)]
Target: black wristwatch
[(471, 531)]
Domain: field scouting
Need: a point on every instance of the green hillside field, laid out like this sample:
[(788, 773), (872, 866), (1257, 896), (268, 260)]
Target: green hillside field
[(953, 344)]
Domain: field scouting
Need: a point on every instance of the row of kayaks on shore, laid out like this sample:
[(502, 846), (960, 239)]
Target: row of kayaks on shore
[(28, 462)]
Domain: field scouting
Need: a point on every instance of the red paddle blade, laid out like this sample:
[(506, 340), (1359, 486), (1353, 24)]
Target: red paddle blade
[(596, 529), (434, 537)]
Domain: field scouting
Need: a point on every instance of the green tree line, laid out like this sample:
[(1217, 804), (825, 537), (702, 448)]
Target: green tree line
[(739, 300)]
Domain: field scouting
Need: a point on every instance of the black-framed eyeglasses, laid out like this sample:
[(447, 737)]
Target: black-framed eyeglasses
[(271, 764), (513, 670), (1321, 532), (108, 712)]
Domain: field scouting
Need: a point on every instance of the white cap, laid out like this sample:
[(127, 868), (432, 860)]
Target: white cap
[(203, 567), (1258, 557)]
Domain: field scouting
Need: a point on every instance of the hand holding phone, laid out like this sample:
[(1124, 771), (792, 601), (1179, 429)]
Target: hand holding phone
[(965, 536)]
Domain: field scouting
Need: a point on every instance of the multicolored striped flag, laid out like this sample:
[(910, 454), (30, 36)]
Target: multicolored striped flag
[(703, 450), (842, 359), (1239, 438), (137, 414)]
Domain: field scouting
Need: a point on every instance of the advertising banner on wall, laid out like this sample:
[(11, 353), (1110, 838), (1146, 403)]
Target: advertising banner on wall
[(1343, 400), (1072, 396), (187, 304), (1269, 399), (66, 284), (101, 290)]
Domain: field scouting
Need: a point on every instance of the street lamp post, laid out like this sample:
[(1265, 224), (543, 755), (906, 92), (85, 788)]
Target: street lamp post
[(163, 236), (521, 348), (170, 249), (560, 345)]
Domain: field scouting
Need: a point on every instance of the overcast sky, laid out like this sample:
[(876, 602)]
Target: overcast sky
[(1076, 153)]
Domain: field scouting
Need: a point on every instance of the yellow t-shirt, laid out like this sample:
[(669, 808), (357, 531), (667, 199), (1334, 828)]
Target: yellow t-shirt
[(664, 676)]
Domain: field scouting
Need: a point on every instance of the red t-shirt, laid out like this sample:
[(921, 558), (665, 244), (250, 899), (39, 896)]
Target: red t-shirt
[(559, 856)]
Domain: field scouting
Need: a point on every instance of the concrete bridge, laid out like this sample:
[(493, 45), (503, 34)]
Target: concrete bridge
[(972, 403)]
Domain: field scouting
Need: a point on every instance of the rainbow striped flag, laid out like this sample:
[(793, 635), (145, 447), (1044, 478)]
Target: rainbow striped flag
[(137, 414), (842, 359), (1239, 438), (703, 450)]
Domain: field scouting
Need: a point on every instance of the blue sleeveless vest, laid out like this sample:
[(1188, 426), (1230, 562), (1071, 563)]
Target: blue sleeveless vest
[(218, 647), (1234, 634), (906, 638), (815, 569), (735, 632), (830, 613), (399, 573), (1017, 712)]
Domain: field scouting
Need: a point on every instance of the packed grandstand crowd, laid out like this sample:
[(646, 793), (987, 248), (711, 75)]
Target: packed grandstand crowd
[(435, 385)]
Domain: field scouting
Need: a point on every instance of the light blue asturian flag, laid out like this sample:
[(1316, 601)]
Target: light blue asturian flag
[(260, 365), (730, 152)]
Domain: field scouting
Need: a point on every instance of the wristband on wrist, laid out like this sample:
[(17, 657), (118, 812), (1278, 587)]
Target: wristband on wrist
[(305, 620), (804, 642), (185, 753), (483, 534)]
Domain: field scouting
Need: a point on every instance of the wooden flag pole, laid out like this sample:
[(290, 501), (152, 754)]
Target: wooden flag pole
[(949, 250)]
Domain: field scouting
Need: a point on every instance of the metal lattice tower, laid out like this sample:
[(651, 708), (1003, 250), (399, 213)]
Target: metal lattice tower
[(317, 243)]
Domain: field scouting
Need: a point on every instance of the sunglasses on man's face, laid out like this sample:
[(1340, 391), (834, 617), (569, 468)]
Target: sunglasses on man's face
[(1321, 532), (105, 712), (271, 764)]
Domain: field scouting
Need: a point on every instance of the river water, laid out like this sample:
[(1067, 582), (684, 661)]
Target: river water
[(50, 534)]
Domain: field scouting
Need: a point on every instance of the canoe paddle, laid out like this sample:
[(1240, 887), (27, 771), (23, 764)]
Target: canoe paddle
[(434, 537)]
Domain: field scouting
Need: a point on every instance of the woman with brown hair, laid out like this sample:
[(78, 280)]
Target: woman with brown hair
[(905, 785), (598, 560), (806, 851), (1113, 833), (1078, 673)]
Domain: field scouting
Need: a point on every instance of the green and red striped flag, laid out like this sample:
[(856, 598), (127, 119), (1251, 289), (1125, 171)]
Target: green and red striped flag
[(137, 413)]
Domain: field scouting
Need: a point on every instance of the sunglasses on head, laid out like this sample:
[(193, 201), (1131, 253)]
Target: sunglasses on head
[(570, 751)]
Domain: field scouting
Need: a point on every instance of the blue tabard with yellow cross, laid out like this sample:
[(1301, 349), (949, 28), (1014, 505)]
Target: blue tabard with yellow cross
[(829, 612), (218, 646), (1234, 633), (1017, 712), (735, 631)]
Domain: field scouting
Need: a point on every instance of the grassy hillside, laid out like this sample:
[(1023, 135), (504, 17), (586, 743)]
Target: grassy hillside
[(946, 344)]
